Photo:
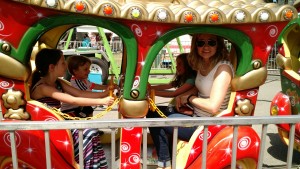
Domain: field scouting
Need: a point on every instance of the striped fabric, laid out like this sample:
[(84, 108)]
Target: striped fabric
[(50, 102), (82, 84), (79, 84), (93, 153)]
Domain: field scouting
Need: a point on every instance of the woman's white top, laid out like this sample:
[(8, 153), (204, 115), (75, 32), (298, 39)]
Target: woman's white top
[(204, 85)]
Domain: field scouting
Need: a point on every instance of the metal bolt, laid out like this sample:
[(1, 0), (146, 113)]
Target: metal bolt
[(5, 47), (134, 93), (256, 65)]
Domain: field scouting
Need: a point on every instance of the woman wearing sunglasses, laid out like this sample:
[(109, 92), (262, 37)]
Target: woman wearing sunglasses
[(210, 58)]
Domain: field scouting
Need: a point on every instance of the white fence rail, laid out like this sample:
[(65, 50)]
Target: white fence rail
[(13, 127), (117, 47)]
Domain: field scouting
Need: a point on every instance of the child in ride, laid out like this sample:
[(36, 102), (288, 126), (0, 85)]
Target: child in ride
[(47, 87), (184, 80), (79, 68)]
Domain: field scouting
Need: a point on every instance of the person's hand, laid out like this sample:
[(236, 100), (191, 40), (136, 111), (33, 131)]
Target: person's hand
[(108, 91), (186, 110), (181, 101), (109, 100), (178, 103), (182, 105)]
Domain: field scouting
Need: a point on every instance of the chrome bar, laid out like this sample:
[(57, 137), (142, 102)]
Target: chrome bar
[(291, 146), (80, 147), (1, 115), (174, 147), (13, 149), (150, 122), (113, 147), (145, 148), (47, 147), (204, 147), (262, 146), (234, 147), (157, 122)]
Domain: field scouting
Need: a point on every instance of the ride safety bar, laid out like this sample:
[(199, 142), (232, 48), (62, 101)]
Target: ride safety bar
[(114, 124)]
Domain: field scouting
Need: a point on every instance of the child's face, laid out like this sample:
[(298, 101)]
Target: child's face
[(83, 71), (179, 67), (61, 67)]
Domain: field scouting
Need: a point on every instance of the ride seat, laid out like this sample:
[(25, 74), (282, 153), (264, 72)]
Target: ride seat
[(291, 46), (234, 108), (290, 62), (49, 114)]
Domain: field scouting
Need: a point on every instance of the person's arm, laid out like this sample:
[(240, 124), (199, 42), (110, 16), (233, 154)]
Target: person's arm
[(81, 93), (100, 87), (218, 92), (173, 93), (44, 90), (185, 95), (161, 87)]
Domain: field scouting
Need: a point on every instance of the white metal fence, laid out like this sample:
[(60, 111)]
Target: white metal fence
[(271, 64), (115, 46), (163, 59), (12, 127)]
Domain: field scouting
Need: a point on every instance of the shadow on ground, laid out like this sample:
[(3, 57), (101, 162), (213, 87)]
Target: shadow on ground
[(279, 150)]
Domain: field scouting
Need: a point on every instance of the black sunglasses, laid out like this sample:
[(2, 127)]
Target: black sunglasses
[(201, 43)]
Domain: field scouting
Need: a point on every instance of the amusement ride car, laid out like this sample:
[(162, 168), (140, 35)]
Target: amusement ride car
[(145, 27)]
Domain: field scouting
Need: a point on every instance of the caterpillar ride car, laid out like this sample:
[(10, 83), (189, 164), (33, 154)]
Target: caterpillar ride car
[(145, 27), (287, 102)]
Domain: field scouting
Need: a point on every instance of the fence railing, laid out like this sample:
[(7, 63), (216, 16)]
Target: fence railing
[(12, 127), (116, 46), (163, 61)]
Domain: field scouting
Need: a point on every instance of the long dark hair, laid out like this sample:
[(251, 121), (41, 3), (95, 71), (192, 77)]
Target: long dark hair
[(179, 80), (44, 58)]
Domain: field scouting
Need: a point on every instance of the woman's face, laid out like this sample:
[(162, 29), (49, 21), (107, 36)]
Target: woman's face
[(206, 45)]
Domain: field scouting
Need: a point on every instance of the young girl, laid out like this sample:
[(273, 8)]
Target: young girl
[(48, 88), (79, 68), (183, 81)]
